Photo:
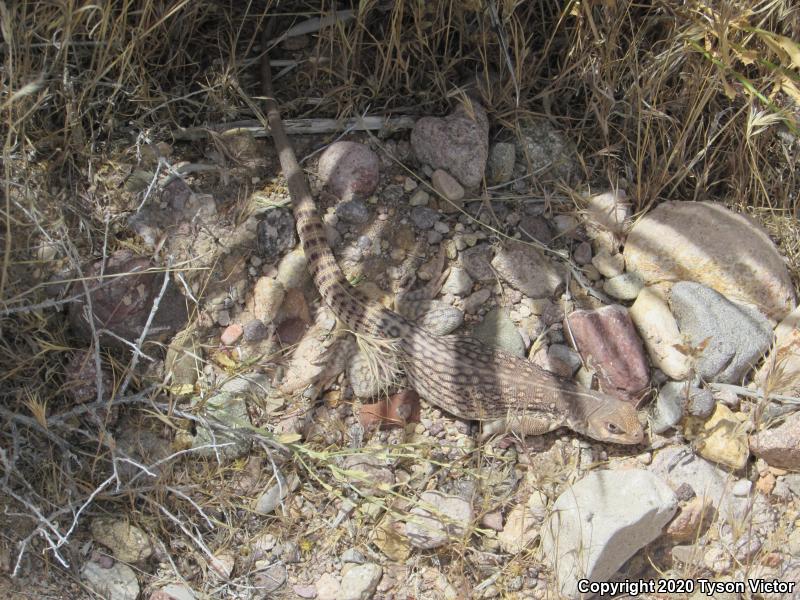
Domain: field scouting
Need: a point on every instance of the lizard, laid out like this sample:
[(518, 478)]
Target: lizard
[(457, 373)]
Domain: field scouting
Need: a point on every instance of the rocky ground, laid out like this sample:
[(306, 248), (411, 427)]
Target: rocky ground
[(299, 480)]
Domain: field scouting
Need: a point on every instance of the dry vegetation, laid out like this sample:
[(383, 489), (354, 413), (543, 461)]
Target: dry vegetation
[(690, 101)]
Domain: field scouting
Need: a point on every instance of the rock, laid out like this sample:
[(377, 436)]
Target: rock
[(501, 163), (293, 270), (126, 542), (701, 403), (601, 521), (498, 330), (80, 383), (458, 282), (270, 499), (478, 262), (707, 243), (255, 331), (608, 211), (528, 270), (368, 473), (424, 217), (564, 355), (115, 583), (440, 318), (222, 563), (522, 525), (779, 446), (275, 234), (782, 365), (546, 151), (735, 336), (608, 342), (231, 334), (566, 225), (583, 253), (268, 296), (448, 187), (360, 582), (231, 410), (458, 143), (419, 198), (327, 587), (679, 465), (692, 520), (609, 265), (353, 211), (659, 331), (349, 170), (437, 519), (669, 406), (476, 300), (270, 579), (174, 591), (624, 287), (535, 227), (723, 439), (122, 304)]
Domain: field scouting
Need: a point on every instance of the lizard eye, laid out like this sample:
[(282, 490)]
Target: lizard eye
[(612, 428)]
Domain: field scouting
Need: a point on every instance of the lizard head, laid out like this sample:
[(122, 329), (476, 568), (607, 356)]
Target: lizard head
[(611, 420)]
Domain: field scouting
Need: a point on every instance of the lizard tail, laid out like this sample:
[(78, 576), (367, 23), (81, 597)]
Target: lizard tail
[(352, 307)]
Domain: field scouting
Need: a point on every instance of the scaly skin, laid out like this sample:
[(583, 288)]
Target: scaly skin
[(459, 374)]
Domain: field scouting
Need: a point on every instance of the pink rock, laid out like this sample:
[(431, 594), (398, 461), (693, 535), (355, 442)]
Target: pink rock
[(457, 143), (779, 446), (608, 341), (231, 334), (349, 170)]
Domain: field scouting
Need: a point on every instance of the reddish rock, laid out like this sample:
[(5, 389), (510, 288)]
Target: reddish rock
[(231, 334), (122, 303), (779, 446), (608, 342), (349, 170), (399, 409), (457, 143)]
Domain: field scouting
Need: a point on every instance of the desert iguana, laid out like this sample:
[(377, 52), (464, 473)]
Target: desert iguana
[(458, 374)]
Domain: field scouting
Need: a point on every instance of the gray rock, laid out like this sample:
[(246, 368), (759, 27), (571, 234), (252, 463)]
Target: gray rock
[(501, 162), (668, 409), (498, 330), (229, 409), (528, 270), (424, 217), (583, 253), (353, 211), (275, 234), (458, 282), (546, 151), (624, 287), (115, 583), (351, 555), (419, 198), (478, 262), (438, 518), (601, 521), (360, 582), (737, 335), (476, 300), (678, 465), (255, 330), (270, 579)]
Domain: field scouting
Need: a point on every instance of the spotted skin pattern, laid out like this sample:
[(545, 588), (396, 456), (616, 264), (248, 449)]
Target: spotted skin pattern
[(459, 374)]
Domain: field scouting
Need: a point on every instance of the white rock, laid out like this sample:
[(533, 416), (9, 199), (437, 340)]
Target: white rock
[(438, 518), (360, 582), (601, 521), (659, 330), (608, 211), (609, 265)]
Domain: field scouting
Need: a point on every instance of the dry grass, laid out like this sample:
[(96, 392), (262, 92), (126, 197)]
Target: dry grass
[(673, 101)]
